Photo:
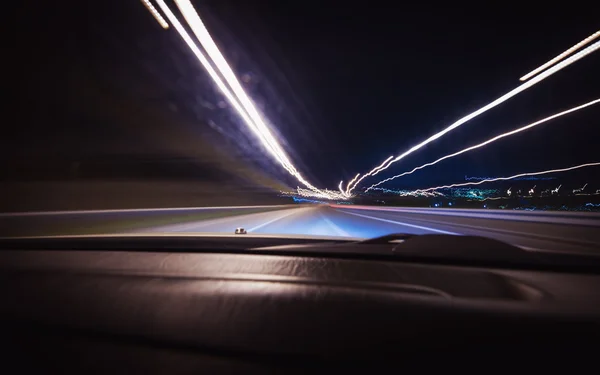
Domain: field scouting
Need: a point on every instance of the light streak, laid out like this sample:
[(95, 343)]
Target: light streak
[(580, 189), (509, 178), (242, 104), (347, 192), (555, 191), (325, 194), (407, 193), (382, 165), (516, 179), (545, 74), (561, 56), (161, 21), (532, 190), (374, 171), (487, 142)]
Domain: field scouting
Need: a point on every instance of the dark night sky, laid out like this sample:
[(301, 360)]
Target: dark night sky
[(346, 84)]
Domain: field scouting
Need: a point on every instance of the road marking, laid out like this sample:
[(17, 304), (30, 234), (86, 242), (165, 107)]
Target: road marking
[(293, 211), (575, 218), (401, 223), (336, 229)]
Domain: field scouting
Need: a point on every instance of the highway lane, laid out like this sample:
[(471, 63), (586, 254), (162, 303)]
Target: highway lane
[(579, 232), (554, 231)]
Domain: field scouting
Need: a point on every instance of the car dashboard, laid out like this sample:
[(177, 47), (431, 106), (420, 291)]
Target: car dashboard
[(270, 309)]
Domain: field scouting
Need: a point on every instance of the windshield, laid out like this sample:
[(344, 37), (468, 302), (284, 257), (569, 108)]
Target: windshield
[(302, 119)]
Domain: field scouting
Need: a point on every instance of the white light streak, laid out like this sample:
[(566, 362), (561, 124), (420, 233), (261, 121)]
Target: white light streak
[(491, 140), (532, 190), (580, 189), (406, 193), (240, 101), (509, 178), (324, 194), (155, 14), (373, 172), (555, 191), (347, 192), (579, 55), (577, 46)]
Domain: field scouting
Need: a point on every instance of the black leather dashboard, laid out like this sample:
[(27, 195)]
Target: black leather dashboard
[(259, 312)]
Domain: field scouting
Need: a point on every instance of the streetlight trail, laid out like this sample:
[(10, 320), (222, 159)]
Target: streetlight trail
[(547, 73), (491, 140), (566, 53), (161, 21), (507, 178), (240, 100)]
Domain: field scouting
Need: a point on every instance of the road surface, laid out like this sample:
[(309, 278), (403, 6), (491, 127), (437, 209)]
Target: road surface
[(550, 231)]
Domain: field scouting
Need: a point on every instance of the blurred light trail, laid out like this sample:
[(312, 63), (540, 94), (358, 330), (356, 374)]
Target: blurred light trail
[(340, 187), (240, 100), (545, 74), (161, 21), (509, 178), (257, 123), (351, 182), (373, 171), (522, 178), (580, 189), (532, 190), (577, 46), (325, 194), (491, 140), (555, 191), (407, 193)]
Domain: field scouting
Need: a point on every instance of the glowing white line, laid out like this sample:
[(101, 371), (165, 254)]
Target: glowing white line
[(198, 28), (373, 171), (307, 193), (155, 14), (340, 187), (580, 189), (347, 192), (555, 191), (509, 178), (244, 107), (561, 56), (579, 55), (491, 140)]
